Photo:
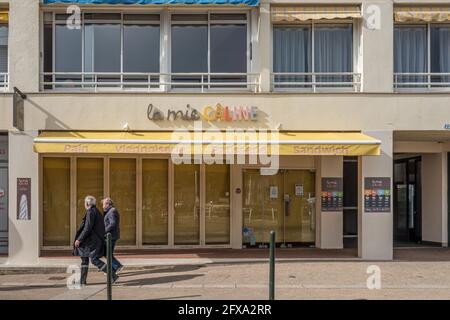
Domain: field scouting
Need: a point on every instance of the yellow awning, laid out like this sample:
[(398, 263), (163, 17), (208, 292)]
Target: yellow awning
[(305, 13), (422, 14), (164, 142), (4, 16)]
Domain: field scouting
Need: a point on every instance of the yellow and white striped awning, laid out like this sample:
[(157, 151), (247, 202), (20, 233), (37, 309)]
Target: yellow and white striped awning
[(165, 142), (305, 13), (4, 16), (422, 14)]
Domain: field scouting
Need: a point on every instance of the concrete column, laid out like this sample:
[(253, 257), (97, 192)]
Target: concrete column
[(264, 48), (375, 230), (377, 44), (434, 198), (236, 209), (23, 45), (330, 224), (23, 234)]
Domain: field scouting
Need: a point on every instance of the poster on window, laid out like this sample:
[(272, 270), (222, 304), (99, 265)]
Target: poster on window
[(377, 194), (23, 199), (332, 194)]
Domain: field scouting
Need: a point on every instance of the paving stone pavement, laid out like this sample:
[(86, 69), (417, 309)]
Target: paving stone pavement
[(294, 280)]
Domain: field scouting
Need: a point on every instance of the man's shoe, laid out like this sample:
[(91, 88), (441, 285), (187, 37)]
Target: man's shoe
[(114, 278), (119, 269)]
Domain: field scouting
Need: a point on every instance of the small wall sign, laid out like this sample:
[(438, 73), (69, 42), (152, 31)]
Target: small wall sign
[(377, 194), (23, 199), (332, 194)]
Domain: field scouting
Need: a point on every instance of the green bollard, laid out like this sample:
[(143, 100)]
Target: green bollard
[(109, 266), (272, 266)]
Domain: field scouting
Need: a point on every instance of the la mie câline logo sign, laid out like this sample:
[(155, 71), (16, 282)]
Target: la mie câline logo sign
[(208, 113)]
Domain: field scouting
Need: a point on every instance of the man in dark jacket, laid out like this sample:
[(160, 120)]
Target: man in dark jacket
[(90, 240), (112, 225)]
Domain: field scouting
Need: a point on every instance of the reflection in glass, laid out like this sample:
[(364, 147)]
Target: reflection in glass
[(187, 204), (217, 208), (154, 202), (123, 193), (56, 201), (440, 52), (89, 182)]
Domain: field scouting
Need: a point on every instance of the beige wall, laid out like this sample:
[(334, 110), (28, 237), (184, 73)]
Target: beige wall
[(330, 227), (434, 198), (23, 235), (375, 230), (24, 45), (292, 111)]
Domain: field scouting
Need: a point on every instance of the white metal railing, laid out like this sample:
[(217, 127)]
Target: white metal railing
[(4, 81), (316, 81), (150, 82), (421, 81)]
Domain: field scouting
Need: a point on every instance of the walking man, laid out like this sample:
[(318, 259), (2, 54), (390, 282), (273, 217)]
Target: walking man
[(112, 225), (90, 240)]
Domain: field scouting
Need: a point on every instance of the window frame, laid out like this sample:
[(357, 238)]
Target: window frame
[(210, 22), (356, 53), (428, 86)]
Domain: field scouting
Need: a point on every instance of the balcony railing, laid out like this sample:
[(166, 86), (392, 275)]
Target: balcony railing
[(316, 82), (421, 81), (150, 82), (4, 81)]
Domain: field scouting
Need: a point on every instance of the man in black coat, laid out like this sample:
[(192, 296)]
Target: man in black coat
[(112, 225), (90, 240)]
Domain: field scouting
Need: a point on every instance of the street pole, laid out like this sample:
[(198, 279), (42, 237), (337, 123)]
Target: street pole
[(272, 266), (109, 266)]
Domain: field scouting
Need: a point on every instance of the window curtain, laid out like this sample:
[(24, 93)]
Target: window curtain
[(410, 53), (333, 52), (292, 53), (440, 52)]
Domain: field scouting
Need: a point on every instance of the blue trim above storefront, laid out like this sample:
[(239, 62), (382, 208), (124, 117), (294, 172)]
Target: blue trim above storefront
[(159, 2)]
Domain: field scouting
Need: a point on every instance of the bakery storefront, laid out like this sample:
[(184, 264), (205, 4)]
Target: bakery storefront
[(170, 194)]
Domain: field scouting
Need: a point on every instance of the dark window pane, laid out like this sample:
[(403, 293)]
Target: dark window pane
[(189, 48), (48, 48), (3, 49), (67, 49), (102, 48), (410, 52), (292, 53), (190, 17), (333, 52), (228, 16), (141, 48), (228, 48), (440, 52)]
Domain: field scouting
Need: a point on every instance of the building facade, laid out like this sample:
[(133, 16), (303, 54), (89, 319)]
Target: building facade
[(357, 94)]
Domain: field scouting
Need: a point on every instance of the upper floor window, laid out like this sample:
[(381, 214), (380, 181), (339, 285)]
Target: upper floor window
[(209, 48), (310, 52), (124, 51), (422, 56), (421, 48), (108, 50)]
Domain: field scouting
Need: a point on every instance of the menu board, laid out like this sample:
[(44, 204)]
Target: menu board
[(332, 194), (23, 199), (377, 195)]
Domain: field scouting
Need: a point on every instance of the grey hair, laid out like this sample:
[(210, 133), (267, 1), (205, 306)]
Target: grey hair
[(90, 201), (108, 201)]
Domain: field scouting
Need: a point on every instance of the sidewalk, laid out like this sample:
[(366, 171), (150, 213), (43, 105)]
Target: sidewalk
[(294, 280)]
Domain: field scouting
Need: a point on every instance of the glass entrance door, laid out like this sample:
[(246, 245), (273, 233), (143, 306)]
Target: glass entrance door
[(202, 204), (284, 202), (407, 204)]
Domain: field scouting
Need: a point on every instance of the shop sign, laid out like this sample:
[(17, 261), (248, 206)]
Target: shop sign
[(211, 113), (332, 194), (23, 199), (377, 194)]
